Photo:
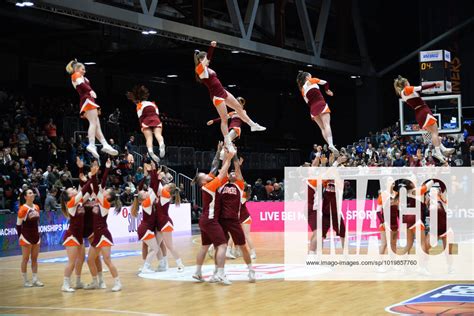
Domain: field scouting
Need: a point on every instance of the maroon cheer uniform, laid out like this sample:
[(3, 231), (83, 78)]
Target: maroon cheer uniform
[(86, 94), (148, 115), (229, 202), (211, 230), (423, 114), (209, 78), (27, 225), (313, 96)]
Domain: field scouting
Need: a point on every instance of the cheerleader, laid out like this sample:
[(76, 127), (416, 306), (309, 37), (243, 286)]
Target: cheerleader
[(88, 231), (319, 109), (29, 237), (72, 209), (149, 118), (234, 125), (89, 109), (423, 114), (164, 228), (437, 193), (211, 230), (410, 219), (146, 229), (220, 97), (103, 241), (228, 206)]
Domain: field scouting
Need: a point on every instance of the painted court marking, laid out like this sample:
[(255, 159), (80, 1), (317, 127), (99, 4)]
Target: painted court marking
[(79, 309), (236, 272)]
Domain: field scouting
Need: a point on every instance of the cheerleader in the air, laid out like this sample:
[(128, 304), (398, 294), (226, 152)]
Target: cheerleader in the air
[(89, 109)]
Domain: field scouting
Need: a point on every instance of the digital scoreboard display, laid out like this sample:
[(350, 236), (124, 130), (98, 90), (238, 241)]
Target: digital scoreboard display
[(435, 68)]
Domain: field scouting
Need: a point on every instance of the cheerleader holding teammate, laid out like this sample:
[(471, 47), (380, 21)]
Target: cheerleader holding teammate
[(29, 238), (72, 209), (88, 231), (220, 97), (319, 109), (102, 238), (89, 109), (211, 230), (164, 223), (149, 118), (423, 114), (146, 229)]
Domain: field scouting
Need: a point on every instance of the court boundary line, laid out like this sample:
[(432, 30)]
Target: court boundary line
[(78, 309)]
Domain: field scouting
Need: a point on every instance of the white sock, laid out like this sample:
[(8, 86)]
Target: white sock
[(179, 262), (199, 269), (25, 276), (220, 271), (35, 277), (150, 150), (94, 280), (116, 280), (101, 277), (437, 150), (104, 142), (165, 259), (227, 139), (250, 266), (92, 141), (66, 281), (330, 142), (251, 123), (78, 279)]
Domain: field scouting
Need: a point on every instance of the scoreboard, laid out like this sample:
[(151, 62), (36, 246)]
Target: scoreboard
[(435, 68)]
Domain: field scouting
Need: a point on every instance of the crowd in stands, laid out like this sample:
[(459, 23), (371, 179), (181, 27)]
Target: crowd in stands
[(34, 153), (389, 149)]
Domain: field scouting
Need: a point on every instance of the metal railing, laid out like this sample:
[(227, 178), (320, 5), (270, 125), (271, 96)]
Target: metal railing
[(189, 193)]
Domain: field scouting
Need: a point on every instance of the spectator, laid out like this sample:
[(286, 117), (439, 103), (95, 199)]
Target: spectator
[(114, 118), (51, 130), (259, 192), (63, 183), (139, 174), (399, 162), (52, 177), (129, 184), (51, 204), (182, 194), (129, 146), (126, 197), (277, 194), (313, 153), (114, 145), (166, 176), (269, 188)]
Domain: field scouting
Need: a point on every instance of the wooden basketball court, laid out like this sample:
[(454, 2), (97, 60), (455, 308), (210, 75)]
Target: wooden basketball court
[(145, 297)]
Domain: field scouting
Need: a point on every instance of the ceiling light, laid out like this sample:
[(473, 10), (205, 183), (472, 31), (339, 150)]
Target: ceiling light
[(28, 3), (232, 85), (309, 65), (235, 52), (89, 63), (19, 4), (172, 76), (145, 32), (152, 32)]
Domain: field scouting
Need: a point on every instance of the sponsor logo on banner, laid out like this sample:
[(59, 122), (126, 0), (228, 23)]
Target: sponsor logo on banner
[(452, 299), (115, 255), (234, 272), (447, 56), (431, 55)]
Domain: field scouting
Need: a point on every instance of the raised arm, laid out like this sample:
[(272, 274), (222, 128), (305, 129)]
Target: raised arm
[(154, 181), (210, 50), (108, 164), (238, 172), (216, 160), (225, 166), (210, 122), (320, 82)]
